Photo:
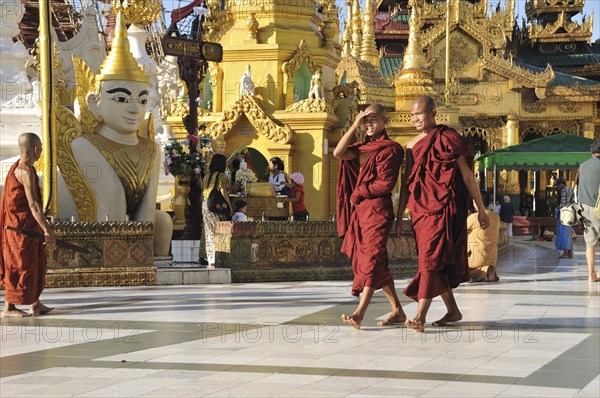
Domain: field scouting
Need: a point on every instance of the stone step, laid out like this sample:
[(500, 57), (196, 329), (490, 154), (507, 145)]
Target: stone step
[(191, 274)]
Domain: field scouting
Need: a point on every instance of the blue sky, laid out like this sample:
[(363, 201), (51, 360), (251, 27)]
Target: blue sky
[(590, 5)]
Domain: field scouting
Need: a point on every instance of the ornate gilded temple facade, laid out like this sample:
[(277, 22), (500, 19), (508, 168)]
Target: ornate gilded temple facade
[(507, 83), (391, 52), (273, 92)]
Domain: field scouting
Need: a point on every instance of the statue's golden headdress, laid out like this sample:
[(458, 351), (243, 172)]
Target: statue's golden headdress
[(120, 64)]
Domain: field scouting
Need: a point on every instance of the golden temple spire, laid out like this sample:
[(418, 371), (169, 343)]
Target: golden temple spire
[(356, 29), (120, 63), (368, 50), (347, 36), (414, 80), (413, 55)]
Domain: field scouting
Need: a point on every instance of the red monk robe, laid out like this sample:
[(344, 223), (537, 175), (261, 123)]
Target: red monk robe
[(366, 226), (438, 202), (23, 259)]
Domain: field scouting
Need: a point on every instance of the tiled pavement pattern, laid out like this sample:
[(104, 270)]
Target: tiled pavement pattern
[(534, 333)]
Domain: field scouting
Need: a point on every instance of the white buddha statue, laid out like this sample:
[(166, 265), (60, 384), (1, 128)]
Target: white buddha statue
[(110, 167)]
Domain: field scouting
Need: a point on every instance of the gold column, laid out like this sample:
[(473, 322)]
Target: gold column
[(512, 130), (512, 138), (49, 186), (588, 129)]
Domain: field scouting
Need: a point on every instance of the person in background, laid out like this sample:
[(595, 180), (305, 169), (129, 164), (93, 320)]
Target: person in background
[(277, 177), (214, 178), (240, 211), (497, 207), (297, 197), (564, 234), (506, 216), (588, 192), (482, 245)]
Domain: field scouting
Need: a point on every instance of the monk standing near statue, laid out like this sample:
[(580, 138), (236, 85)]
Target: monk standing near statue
[(368, 173), (440, 179), (23, 259)]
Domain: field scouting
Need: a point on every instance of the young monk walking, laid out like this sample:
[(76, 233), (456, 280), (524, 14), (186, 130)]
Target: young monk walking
[(368, 172), (23, 259), (440, 179)]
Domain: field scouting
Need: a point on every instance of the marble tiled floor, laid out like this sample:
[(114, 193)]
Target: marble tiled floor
[(534, 333)]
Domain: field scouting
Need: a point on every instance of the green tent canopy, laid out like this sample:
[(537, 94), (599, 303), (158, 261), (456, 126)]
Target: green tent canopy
[(564, 151)]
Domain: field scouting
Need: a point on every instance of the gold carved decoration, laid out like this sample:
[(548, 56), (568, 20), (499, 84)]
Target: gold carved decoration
[(133, 164), (461, 54), (400, 118), (103, 229), (491, 130), (576, 93), (310, 105), (216, 77), (518, 76), (264, 125), (492, 32), (85, 80), (183, 109), (301, 55), (140, 12), (567, 107), (69, 128), (563, 29), (180, 109), (60, 82), (534, 107), (549, 127), (541, 6)]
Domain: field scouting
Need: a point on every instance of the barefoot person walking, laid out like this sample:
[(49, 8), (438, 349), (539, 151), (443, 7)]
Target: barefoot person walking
[(23, 259), (440, 179), (365, 214)]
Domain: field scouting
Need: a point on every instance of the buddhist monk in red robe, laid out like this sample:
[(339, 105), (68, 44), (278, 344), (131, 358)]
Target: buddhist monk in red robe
[(23, 259), (440, 180), (368, 173)]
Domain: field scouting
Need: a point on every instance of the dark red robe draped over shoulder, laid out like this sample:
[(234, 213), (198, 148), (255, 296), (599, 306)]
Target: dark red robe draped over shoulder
[(438, 203), (366, 226), (23, 259)]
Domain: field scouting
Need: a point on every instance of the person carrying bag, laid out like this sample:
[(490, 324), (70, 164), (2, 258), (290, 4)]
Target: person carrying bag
[(215, 205)]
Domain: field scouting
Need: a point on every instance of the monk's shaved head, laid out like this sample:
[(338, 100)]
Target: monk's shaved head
[(377, 108), (27, 141), (427, 100)]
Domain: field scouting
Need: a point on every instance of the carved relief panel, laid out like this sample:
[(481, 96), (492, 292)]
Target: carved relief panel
[(464, 52)]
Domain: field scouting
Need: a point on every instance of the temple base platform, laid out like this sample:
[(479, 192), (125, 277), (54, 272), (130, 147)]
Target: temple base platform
[(282, 251)]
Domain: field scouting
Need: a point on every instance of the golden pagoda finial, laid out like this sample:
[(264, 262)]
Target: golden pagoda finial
[(120, 64), (356, 29), (347, 36), (413, 55), (414, 79), (368, 50)]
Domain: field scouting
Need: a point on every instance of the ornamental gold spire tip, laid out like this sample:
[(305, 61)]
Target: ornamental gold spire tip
[(120, 63)]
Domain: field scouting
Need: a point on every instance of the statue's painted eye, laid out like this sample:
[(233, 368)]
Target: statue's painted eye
[(144, 101), (121, 99)]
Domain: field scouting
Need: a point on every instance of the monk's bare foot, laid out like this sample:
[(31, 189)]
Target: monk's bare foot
[(594, 278), (39, 309), (415, 324), (352, 320), (395, 317), (14, 313), (446, 319)]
